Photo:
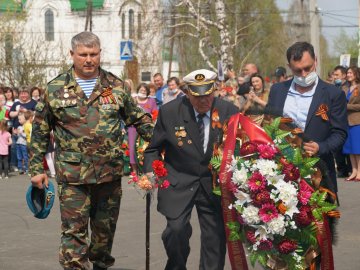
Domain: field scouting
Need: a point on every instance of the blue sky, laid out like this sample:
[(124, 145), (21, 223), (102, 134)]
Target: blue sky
[(333, 13)]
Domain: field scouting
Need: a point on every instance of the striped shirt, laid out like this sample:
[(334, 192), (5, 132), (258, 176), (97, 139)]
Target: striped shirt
[(87, 85)]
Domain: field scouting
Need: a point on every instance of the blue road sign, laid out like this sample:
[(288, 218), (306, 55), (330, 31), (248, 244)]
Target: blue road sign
[(126, 50)]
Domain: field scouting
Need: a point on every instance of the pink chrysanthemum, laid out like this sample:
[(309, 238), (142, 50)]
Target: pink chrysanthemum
[(268, 212), (267, 151), (257, 182), (305, 193)]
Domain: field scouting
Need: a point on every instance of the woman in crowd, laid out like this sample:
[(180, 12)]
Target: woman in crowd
[(256, 99), (36, 93), (148, 104), (9, 96), (352, 144)]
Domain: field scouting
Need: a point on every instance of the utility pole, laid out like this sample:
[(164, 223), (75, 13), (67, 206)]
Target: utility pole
[(315, 31), (88, 21)]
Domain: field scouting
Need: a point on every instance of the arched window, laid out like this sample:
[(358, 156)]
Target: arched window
[(131, 24), (49, 25), (123, 25), (139, 26)]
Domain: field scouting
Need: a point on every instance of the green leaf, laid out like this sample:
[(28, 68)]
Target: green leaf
[(253, 258), (297, 158), (215, 162), (233, 226), (280, 134), (234, 236), (269, 130), (310, 162), (217, 191)]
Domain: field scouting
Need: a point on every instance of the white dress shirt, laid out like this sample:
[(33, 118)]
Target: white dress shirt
[(206, 120)]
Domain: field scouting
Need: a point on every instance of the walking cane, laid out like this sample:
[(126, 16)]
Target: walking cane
[(147, 231)]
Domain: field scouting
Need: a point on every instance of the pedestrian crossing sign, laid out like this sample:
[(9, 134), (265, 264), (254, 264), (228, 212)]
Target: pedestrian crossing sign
[(126, 50)]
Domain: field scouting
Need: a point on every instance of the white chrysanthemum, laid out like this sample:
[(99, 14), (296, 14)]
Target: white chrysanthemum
[(277, 225), (242, 198), (266, 167), (233, 165), (239, 177), (287, 193), (251, 215)]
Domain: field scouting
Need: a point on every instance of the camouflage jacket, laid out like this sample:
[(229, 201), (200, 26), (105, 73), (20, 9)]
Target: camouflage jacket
[(87, 131)]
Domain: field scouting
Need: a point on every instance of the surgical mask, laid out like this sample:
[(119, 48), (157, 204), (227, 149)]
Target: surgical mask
[(338, 82), (140, 95), (173, 92), (306, 81)]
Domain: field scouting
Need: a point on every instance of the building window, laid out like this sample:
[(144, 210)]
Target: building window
[(49, 25), (9, 46), (123, 25), (139, 26), (131, 24)]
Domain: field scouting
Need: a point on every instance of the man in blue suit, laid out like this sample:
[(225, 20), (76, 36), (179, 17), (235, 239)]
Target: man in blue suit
[(317, 107)]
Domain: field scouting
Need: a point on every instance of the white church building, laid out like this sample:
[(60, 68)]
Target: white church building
[(130, 31)]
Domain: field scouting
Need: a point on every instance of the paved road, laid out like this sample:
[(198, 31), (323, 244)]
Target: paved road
[(31, 244)]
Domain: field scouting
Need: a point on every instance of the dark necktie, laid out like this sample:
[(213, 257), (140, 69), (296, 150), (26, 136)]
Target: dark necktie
[(201, 126)]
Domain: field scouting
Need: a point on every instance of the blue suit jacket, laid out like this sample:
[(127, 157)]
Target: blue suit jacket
[(331, 134)]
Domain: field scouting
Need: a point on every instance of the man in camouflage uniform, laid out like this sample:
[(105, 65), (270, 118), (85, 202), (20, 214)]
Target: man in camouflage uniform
[(89, 159)]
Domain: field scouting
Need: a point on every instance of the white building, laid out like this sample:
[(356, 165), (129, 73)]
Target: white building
[(53, 23)]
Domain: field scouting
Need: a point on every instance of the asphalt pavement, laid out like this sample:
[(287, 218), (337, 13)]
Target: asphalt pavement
[(31, 244)]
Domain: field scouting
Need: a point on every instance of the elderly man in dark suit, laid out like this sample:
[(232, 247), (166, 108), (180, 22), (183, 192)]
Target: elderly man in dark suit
[(317, 107), (185, 134)]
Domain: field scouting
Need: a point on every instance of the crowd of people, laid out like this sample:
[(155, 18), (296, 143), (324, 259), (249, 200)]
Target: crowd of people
[(86, 109), (17, 106)]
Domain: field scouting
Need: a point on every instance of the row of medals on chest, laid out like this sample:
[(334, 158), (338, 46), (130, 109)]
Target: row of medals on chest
[(180, 133), (105, 101)]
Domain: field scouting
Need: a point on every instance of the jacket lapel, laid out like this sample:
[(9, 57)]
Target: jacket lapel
[(188, 117), (315, 103)]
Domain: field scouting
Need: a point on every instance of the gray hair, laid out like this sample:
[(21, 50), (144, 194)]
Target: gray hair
[(88, 39)]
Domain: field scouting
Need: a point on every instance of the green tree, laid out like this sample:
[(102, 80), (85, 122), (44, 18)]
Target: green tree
[(255, 33)]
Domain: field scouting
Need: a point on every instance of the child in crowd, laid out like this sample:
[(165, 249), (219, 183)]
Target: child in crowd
[(5, 141), (21, 146), (29, 115)]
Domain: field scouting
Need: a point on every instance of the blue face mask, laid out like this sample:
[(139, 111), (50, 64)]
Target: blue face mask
[(338, 82)]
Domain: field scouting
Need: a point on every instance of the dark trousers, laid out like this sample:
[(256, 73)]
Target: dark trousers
[(4, 165), (178, 232), (343, 163)]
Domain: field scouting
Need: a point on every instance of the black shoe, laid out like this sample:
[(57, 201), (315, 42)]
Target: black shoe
[(98, 267), (342, 174)]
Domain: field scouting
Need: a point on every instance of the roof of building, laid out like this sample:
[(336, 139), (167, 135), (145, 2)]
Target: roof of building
[(82, 5), (11, 5)]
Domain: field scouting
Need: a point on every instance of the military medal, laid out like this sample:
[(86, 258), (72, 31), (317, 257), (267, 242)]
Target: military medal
[(63, 102), (180, 143), (73, 102), (66, 95), (189, 141), (67, 102)]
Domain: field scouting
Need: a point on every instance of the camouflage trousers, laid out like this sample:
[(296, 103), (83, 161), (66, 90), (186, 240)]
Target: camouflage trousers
[(99, 203)]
